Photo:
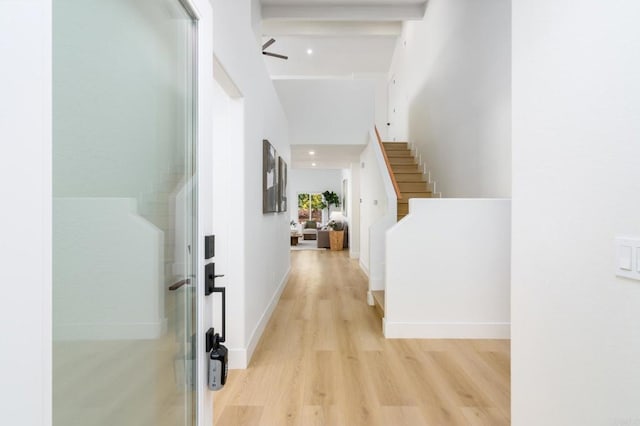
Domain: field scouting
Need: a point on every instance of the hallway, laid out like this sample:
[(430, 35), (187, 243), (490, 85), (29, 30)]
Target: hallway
[(323, 361)]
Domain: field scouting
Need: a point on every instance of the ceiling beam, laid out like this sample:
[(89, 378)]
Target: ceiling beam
[(276, 27), (345, 13)]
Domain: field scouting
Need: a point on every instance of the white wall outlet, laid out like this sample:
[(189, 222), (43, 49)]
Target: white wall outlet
[(627, 257)]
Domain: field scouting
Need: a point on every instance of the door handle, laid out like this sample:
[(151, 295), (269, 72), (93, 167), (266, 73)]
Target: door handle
[(175, 286)]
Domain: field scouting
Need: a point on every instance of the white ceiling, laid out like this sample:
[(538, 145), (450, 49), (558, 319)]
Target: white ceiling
[(332, 56), (347, 37), (325, 156)]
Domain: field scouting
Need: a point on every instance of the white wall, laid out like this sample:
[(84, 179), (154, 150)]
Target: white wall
[(25, 219), (382, 105), (448, 270), (337, 111), (312, 180), (228, 184), (373, 205), (351, 206), (576, 103), (264, 237), (452, 95)]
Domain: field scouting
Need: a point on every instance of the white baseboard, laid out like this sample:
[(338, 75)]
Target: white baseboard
[(239, 358), (481, 330), (376, 284), (364, 268), (354, 254), (370, 300)]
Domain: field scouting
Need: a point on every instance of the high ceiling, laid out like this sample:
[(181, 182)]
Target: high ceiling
[(345, 37), (330, 55), (333, 38), (324, 156)]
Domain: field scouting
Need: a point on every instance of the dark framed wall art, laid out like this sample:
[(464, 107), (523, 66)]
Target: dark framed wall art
[(269, 178), (282, 185)]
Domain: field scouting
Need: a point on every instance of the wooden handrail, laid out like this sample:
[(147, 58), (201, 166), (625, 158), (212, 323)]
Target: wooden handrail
[(389, 169)]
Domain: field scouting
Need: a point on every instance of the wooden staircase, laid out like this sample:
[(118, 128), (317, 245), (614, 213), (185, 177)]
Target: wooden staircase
[(408, 182), (410, 179)]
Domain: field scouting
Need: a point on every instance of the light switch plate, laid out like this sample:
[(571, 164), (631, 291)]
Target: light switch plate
[(627, 261)]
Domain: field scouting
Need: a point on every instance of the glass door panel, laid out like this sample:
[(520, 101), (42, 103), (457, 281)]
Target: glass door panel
[(124, 213)]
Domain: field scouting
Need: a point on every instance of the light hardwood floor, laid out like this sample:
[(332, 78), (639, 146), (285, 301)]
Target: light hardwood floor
[(323, 361)]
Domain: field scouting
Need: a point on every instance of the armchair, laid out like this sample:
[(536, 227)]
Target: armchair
[(310, 230)]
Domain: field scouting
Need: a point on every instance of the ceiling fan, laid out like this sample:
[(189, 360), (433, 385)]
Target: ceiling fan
[(275, 55)]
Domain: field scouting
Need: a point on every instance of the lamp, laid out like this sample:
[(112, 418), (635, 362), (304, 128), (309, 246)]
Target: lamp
[(337, 216)]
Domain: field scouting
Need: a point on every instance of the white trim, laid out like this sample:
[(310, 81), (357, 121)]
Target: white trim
[(239, 358), (345, 13), (364, 268), (446, 330), (204, 110), (376, 284), (275, 27), (370, 300), (354, 254)]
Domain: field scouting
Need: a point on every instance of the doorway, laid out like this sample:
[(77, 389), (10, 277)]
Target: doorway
[(124, 213)]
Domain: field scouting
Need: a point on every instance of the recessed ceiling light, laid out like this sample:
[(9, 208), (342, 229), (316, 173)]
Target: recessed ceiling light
[(309, 51), (313, 164), (312, 153)]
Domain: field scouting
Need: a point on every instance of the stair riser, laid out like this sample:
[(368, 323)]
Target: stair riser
[(410, 177), (403, 209), (408, 168), (401, 161), (412, 186), (406, 196), (399, 154), (394, 145)]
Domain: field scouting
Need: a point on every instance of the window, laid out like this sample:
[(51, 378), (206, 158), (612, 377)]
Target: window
[(310, 206)]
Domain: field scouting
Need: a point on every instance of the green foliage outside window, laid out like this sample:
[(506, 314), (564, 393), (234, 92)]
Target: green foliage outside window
[(310, 207)]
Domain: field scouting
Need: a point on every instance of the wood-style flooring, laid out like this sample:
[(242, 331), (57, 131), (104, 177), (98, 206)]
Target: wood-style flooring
[(322, 360)]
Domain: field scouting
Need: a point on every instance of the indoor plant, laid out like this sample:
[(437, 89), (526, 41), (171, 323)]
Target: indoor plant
[(330, 198)]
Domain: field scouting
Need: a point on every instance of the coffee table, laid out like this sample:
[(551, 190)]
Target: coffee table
[(294, 239)]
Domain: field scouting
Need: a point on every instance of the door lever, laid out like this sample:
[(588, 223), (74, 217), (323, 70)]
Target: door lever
[(175, 286), (210, 278)]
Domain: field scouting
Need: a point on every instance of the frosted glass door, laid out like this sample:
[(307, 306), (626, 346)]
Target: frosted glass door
[(123, 213)]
